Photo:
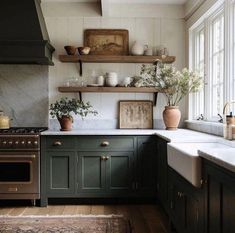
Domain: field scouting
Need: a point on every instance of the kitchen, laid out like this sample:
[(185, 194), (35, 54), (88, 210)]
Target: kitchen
[(182, 176)]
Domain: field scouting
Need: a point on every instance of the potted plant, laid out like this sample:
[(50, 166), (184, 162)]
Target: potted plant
[(174, 84), (64, 108)]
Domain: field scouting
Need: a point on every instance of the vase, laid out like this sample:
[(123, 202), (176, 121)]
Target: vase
[(138, 48), (171, 117), (65, 123)]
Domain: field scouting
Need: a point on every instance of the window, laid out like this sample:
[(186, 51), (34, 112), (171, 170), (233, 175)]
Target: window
[(198, 65), (212, 53), (233, 52), (216, 74)]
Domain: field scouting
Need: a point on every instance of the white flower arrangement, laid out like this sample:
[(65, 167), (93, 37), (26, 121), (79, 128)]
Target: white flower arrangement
[(174, 84)]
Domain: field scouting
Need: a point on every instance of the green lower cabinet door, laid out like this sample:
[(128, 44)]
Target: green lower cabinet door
[(147, 166), (228, 207), (91, 172), (119, 173), (60, 173), (193, 224)]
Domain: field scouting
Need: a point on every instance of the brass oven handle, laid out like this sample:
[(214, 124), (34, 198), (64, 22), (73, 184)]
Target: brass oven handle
[(104, 143), (57, 143), (18, 156), (13, 189)]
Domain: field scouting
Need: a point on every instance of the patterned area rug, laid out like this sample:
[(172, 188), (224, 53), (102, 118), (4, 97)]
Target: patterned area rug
[(62, 224)]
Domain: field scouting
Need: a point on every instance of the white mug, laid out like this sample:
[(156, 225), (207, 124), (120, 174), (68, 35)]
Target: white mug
[(100, 80)]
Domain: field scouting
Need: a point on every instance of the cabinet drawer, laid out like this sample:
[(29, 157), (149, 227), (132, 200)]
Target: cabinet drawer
[(60, 143), (106, 143)]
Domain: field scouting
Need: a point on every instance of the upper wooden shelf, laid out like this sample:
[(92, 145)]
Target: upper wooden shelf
[(114, 59)]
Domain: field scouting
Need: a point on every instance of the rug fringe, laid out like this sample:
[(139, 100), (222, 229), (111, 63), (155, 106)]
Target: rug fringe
[(64, 216)]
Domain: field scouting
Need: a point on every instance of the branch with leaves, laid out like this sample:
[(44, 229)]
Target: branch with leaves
[(67, 107)]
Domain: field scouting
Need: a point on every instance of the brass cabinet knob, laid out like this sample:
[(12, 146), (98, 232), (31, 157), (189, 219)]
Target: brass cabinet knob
[(103, 157), (203, 181), (180, 194), (57, 143), (107, 157), (104, 143)]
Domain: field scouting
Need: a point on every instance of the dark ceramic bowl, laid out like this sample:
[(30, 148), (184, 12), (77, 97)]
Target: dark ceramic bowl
[(71, 50)]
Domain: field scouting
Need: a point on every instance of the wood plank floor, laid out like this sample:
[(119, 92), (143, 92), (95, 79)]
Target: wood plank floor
[(144, 218)]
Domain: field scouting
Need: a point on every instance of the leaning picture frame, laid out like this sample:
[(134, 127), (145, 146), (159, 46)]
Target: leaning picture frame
[(135, 114), (107, 41)]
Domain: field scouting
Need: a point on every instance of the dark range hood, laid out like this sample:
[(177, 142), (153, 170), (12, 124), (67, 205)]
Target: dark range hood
[(23, 34)]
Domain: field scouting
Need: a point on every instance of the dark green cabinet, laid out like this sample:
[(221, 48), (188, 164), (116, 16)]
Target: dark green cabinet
[(107, 174), (98, 166), (185, 204), (146, 165), (162, 170), (219, 188), (119, 173), (91, 173), (60, 173)]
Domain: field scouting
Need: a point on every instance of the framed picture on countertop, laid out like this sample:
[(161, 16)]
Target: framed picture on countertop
[(135, 114)]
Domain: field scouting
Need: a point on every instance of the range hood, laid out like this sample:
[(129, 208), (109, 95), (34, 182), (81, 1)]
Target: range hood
[(24, 38)]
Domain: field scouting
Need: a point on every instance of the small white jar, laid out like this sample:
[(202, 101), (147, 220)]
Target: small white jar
[(111, 79)]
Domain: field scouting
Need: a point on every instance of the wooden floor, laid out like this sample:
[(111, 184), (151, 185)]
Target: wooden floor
[(144, 218)]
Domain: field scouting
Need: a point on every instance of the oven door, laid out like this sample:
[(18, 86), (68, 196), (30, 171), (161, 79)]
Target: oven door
[(19, 173)]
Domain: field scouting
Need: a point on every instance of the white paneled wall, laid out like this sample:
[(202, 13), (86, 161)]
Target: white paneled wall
[(66, 30)]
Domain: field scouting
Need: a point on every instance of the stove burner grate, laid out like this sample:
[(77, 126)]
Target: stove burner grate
[(23, 130)]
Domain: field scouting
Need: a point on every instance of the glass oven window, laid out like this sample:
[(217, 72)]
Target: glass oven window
[(15, 171)]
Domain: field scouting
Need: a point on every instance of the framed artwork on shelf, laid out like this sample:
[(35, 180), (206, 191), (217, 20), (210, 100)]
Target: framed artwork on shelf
[(135, 114), (107, 41)]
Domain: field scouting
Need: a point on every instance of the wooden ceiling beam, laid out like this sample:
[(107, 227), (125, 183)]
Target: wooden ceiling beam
[(104, 8)]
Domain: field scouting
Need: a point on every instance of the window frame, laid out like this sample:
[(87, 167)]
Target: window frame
[(227, 9)]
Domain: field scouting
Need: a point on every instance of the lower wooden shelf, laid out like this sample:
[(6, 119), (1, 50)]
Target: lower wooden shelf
[(80, 90)]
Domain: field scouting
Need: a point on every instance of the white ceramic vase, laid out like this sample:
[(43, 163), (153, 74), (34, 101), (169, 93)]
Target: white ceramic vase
[(138, 48)]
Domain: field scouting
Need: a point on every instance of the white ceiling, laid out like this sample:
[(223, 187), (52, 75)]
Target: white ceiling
[(126, 1)]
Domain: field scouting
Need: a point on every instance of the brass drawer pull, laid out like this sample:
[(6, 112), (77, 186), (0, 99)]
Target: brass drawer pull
[(12, 189), (104, 143), (57, 143)]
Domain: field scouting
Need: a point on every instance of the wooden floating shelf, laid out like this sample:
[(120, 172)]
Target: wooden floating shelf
[(80, 90), (114, 59)]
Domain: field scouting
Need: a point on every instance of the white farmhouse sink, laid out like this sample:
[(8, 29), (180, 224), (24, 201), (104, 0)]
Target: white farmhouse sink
[(184, 158)]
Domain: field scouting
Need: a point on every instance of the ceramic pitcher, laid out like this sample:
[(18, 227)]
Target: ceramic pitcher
[(138, 48)]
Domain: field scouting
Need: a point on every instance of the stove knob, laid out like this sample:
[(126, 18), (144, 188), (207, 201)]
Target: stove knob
[(35, 143), (17, 142), (10, 143), (29, 142), (4, 142), (22, 142)]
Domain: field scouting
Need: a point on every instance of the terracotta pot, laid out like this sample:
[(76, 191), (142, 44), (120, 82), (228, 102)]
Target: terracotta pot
[(65, 123), (171, 117)]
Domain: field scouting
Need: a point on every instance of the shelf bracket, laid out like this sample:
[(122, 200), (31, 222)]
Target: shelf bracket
[(80, 67), (155, 98), (78, 95)]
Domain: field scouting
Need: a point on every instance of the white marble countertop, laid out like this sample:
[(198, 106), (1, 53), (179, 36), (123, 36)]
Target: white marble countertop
[(223, 157), (97, 132), (180, 135)]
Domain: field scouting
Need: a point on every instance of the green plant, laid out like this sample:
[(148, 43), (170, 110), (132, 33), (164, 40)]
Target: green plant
[(174, 84), (66, 107)]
